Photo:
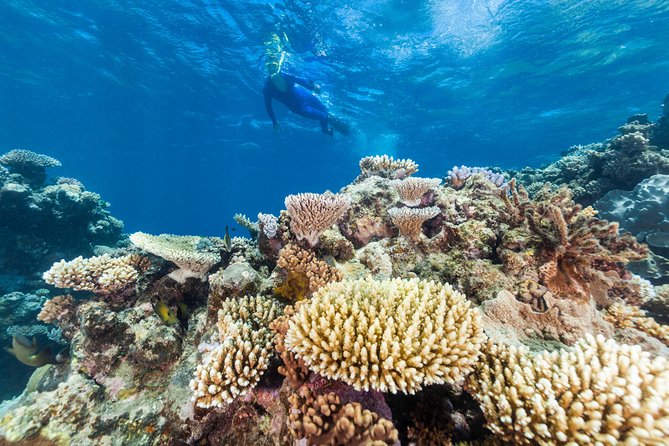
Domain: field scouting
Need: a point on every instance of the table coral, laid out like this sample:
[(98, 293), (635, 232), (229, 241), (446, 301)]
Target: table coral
[(311, 214), (386, 166), (393, 335), (412, 189), (597, 393), (194, 256), (410, 220)]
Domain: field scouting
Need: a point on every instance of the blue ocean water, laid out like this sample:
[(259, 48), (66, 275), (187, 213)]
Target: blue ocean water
[(157, 105)]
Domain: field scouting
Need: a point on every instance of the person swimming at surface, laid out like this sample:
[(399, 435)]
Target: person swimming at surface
[(296, 94)]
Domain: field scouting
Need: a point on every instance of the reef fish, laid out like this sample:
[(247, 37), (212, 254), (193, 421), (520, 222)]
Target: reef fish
[(28, 353), (165, 313)]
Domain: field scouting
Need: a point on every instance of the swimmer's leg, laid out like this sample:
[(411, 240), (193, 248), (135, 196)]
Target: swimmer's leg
[(314, 109), (340, 125)]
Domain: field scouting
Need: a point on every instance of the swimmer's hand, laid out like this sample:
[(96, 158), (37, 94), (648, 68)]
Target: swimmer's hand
[(317, 88), (277, 127)]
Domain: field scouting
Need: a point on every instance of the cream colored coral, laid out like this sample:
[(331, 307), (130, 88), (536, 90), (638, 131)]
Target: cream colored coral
[(311, 214), (627, 316), (597, 393), (412, 189), (101, 275), (410, 220), (393, 335), (388, 167), (235, 364), (54, 309), (194, 256)]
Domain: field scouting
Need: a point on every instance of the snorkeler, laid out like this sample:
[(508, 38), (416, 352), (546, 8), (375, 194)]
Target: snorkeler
[(296, 94)]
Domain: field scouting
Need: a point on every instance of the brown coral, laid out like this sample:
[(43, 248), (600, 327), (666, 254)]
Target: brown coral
[(60, 311), (103, 275), (323, 420), (293, 368), (626, 316), (304, 273)]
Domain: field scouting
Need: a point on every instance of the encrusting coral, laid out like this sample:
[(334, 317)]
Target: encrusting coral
[(324, 420), (194, 256), (410, 220), (597, 393), (393, 335), (311, 214), (103, 275), (233, 366), (412, 189), (304, 273)]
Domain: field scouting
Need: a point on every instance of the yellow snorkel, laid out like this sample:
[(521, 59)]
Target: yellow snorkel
[(275, 54)]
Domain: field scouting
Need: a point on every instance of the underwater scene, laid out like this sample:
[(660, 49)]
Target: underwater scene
[(361, 222)]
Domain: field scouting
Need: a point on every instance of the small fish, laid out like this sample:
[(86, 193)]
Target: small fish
[(227, 240), (28, 353), (165, 313)]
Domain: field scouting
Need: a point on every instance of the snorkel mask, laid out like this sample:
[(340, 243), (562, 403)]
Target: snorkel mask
[(275, 55)]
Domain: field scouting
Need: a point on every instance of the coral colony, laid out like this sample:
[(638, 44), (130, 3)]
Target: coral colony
[(489, 308)]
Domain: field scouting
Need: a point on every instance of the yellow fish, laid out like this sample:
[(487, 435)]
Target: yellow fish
[(27, 352), (165, 313)]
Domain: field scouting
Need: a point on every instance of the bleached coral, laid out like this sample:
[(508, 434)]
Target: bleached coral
[(410, 220), (235, 364), (387, 167), (102, 274), (412, 189), (393, 335), (324, 420), (194, 256), (458, 175), (597, 393), (626, 316), (20, 158), (311, 214), (268, 223)]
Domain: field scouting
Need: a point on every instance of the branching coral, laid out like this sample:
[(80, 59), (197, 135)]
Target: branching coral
[(60, 311), (412, 189), (387, 167), (194, 256), (293, 368), (323, 420), (311, 214), (233, 366), (625, 316), (597, 393), (458, 175), (393, 335), (304, 273), (29, 164), (104, 275), (268, 223), (410, 220)]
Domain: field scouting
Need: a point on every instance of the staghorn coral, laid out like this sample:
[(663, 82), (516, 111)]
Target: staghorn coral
[(323, 420), (243, 221), (597, 393), (626, 316), (393, 335), (412, 189), (103, 275), (387, 167), (304, 273), (233, 366), (410, 220), (194, 256), (311, 214)]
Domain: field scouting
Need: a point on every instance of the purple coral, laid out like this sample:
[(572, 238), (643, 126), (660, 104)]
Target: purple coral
[(458, 175)]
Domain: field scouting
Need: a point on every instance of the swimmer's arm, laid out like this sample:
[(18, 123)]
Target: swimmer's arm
[(268, 106), (311, 85)]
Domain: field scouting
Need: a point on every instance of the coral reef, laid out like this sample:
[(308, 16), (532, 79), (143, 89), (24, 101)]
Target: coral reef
[(619, 163), (411, 190), (394, 335), (410, 220), (457, 176), (301, 273), (28, 164), (598, 392)]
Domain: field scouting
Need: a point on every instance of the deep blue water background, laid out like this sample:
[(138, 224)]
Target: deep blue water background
[(157, 105)]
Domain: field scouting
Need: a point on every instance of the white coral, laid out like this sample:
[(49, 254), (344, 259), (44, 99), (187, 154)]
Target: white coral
[(412, 189), (311, 214)]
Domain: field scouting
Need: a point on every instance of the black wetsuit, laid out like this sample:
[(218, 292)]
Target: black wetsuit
[(298, 98)]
